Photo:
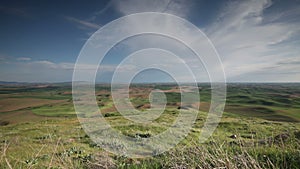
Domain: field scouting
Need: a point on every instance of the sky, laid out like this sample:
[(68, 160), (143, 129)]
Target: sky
[(257, 40)]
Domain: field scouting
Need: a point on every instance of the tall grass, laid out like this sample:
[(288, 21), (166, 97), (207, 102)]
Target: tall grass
[(213, 154), (217, 154)]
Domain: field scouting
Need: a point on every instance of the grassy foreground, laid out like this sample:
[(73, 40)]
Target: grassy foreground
[(259, 129)]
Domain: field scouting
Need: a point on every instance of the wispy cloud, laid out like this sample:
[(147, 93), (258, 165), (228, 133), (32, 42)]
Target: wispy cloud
[(23, 59), (101, 11), (254, 42), (179, 7), (250, 41), (2, 57), (249, 38), (48, 71), (82, 23)]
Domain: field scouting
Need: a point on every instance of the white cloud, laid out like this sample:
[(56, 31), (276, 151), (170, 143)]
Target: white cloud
[(249, 44), (47, 71), (153, 23), (248, 39), (254, 45), (23, 59), (178, 7), (82, 23)]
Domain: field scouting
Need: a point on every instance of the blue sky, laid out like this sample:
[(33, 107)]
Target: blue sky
[(258, 41)]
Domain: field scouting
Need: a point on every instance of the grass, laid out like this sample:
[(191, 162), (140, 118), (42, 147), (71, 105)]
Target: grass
[(56, 110), (63, 143), (263, 117), (264, 112)]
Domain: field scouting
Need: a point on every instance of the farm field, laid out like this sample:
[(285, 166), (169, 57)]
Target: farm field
[(260, 128)]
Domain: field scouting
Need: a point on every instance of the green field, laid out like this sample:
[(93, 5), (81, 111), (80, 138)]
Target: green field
[(39, 128)]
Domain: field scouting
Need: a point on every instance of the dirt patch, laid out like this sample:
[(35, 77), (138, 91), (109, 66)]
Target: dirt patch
[(183, 89), (13, 104), (203, 106), (109, 110), (143, 106), (172, 91), (66, 93), (4, 123), (102, 92), (142, 93), (146, 106), (294, 96)]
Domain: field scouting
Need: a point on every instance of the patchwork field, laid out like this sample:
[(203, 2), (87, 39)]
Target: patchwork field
[(259, 129)]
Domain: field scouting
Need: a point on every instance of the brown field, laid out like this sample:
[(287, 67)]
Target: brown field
[(13, 104), (21, 116)]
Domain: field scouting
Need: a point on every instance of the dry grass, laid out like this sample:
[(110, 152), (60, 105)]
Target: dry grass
[(215, 156)]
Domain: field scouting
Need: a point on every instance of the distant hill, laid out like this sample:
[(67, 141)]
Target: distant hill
[(12, 83), (6, 83)]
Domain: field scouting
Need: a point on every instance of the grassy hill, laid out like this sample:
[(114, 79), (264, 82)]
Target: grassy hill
[(259, 129)]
